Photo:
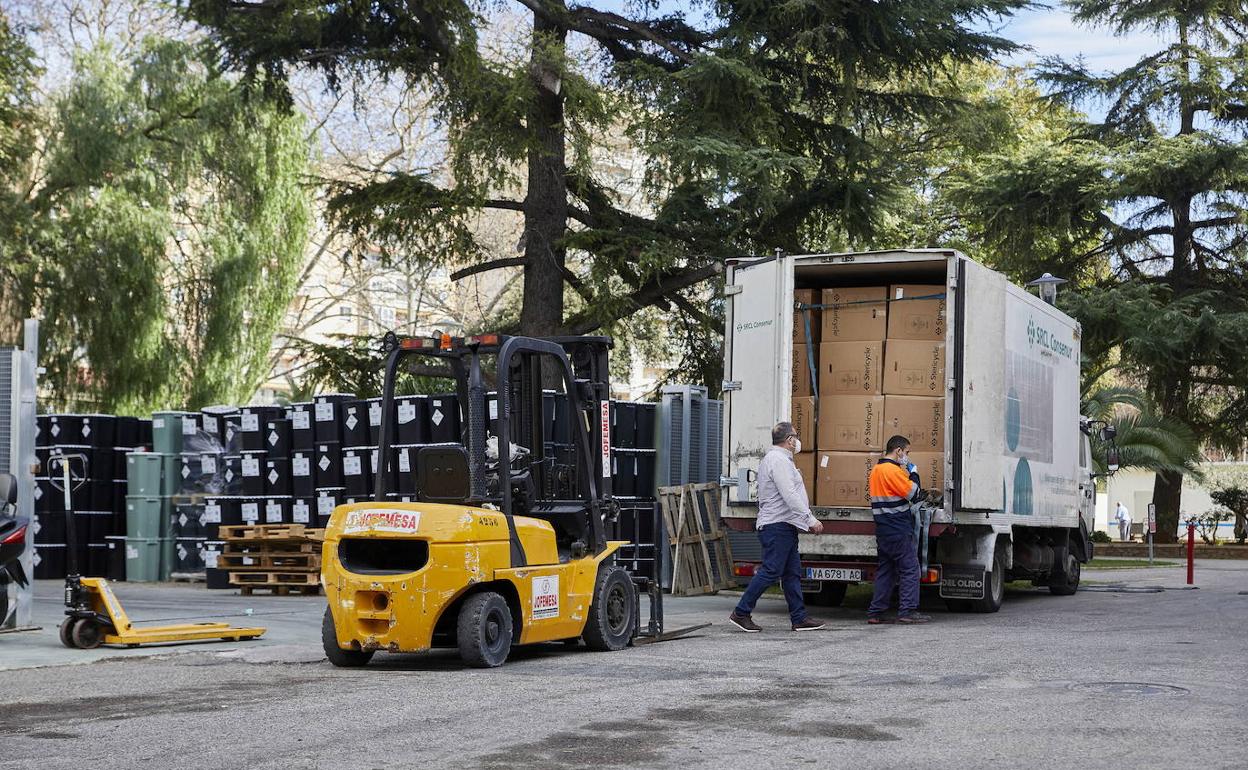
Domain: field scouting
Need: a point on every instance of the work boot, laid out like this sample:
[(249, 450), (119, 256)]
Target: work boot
[(808, 625), (914, 617), (878, 620), (744, 622)]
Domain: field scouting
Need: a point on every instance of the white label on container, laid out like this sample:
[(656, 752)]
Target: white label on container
[(325, 505), (35, 528), (494, 409), (38, 493), (900, 292), (273, 513), (300, 466), (210, 559), (186, 470), (373, 457), (229, 474), (157, 422), (324, 463), (351, 465), (436, 417), (56, 429), (86, 429), (35, 558), (211, 514), (181, 552), (823, 461), (210, 424), (405, 461), (208, 465), (352, 422), (132, 552), (407, 413), (251, 422), (273, 476), (300, 512), (299, 419), (374, 414), (251, 512), (188, 427), (273, 438), (182, 519), (248, 561), (324, 412), (251, 466)]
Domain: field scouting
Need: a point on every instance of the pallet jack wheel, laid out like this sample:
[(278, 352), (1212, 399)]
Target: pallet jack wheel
[(67, 632), (87, 634)]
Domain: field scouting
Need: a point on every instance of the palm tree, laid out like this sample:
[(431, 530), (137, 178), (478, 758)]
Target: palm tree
[(1146, 440)]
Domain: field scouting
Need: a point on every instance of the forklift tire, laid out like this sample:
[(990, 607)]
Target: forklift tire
[(613, 611), (484, 630), (829, 595), (338, 656), (994, 591), (67, 632), (1064, 579), (87, 634)]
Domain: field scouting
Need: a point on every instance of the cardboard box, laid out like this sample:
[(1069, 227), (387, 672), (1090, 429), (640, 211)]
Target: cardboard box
[(806, 297), (805, 463), (851, 423), (850, 368), (803, 419), (801, 371), (931, 468), (916, 319), (914, 368), (841, 478), (919, 418), (859, 314)]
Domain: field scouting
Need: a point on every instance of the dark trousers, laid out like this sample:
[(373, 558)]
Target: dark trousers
[(898, 562), (780, 562)]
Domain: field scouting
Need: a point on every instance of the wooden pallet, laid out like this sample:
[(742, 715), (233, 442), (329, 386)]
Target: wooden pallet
[(250, 547), (280, 590), (254, 532), (275, 578), (700, 557), (187, 577), (270, 560)]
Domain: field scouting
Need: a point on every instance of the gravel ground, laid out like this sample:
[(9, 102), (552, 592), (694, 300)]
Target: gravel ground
[(1100, 679)]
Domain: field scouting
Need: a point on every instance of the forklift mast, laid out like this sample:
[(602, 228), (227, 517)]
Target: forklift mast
[(530, 484)]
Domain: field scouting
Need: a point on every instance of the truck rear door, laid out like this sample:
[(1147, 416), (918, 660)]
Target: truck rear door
[(758, 352)]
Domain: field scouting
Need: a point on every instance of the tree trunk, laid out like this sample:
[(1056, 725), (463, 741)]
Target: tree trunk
[(546, 199), (1167, 496)]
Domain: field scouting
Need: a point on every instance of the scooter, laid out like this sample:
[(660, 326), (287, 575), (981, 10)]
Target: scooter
[(12, 544)]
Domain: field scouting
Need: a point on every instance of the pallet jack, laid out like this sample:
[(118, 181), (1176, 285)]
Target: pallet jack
[(93, 614)]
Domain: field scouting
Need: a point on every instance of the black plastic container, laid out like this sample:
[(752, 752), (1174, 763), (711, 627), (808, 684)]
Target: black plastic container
[(253, 472), (50, 527), (97, 559), (404, 468), (277, 476), (411, 418), (187, 521), (65, 429), (145, 432), (443, 420), (99, 430), (328, 465), (231, 474), (277, 439), (324, 503), (645, 475), (355, 423), (373, 406), (623, 474), (49, 559), (128, 432), (103, 463), (115, 554), (188, 554), (327, 416), (120, 488), (302, 478), (220, 511), (251, 510), (303, 511), (101, 494), (357, 470), (646, 415), (215, 579), (277, 509), (42, 423), (252, 421), (302, 435), (623, 424), (191, 479), (43, 494), (213, 422)]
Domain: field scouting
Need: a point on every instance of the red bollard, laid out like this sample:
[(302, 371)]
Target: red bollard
[(1191, 550)]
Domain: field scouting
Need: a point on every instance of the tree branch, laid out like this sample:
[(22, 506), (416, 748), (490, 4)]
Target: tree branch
[(654, 291), (485, 267)]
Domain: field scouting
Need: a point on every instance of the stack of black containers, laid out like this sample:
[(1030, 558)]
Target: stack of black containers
[(98, 504), (633, 455)]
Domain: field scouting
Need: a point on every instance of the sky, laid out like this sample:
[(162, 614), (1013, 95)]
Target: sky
[(1052, 32)]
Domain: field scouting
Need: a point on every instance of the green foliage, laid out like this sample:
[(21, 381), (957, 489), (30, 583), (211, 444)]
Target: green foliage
[(1145, 440), (356, 364), (19, 126), (171, 226), (1100, 536)]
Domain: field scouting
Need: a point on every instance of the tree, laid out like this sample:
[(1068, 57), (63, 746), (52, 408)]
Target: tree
[(1145, 439), (19, 125), (1147, 210), (758, 127), (171, 226)]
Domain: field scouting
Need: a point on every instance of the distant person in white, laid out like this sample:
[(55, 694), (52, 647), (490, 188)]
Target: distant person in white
[(1123, 517)]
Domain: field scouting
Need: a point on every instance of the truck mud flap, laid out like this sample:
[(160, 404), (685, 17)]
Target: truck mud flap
[(958, 582)]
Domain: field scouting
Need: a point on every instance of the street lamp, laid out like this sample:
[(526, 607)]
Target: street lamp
[(1048, 284)]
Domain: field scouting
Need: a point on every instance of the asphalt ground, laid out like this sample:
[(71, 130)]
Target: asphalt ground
[(1100, 679)]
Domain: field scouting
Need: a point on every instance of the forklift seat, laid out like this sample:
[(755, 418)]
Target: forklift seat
[(442, 474)]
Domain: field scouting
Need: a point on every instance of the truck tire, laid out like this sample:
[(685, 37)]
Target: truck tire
[(613, 611), (1064, 579), (994, 591), (484, 630), (339, 657), (829, 595)]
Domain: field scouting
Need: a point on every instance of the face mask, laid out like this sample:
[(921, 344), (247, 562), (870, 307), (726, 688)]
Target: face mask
[(797, 445)]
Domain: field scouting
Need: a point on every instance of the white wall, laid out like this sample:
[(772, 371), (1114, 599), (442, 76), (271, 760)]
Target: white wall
[(1135, 489)]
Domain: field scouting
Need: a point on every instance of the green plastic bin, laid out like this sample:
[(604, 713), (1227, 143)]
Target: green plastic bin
[(166, 557), (143, 559), (167, 432), (171, 480), (147, 516), (143, 473)]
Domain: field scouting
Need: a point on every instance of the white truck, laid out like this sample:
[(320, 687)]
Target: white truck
[(1017, 493)]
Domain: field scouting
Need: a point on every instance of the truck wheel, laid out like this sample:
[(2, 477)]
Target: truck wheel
[(338, 656), (994, 592), (613, 612), (484, 630), (1064, 579), (829, 595)]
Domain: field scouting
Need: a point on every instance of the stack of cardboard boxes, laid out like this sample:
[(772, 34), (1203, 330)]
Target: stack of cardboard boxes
[(879, 361)]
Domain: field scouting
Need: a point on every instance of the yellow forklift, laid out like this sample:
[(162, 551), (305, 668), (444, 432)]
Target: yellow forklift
[(506, 544)]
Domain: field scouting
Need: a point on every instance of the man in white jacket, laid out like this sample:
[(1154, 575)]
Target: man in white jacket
[(1123, 517)]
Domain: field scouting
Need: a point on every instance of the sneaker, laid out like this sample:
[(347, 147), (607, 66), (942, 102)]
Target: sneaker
[(744, 622), (914, 617), (879, 620), (808, 625)]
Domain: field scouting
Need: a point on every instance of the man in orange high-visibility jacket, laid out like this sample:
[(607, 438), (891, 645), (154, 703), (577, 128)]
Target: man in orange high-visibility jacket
[(894, 485)]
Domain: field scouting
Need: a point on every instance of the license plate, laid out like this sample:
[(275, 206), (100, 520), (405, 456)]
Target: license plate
[(834, 573)]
